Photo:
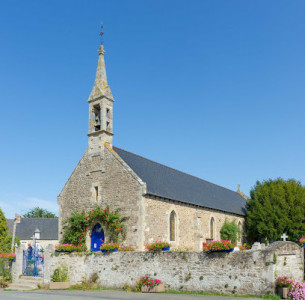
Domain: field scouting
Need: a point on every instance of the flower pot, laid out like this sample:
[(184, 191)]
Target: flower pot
[(283, 292), (156, 289), (59, 285), (114, 250), (165, 249), (230, 250), (63, 251)]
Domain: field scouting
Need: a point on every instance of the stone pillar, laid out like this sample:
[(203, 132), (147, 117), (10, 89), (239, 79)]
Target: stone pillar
[(48, 253), (17, 265)]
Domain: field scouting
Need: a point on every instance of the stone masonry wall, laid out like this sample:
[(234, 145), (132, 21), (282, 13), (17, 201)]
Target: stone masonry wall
[(245, 272), (118, 187), (192, 224)]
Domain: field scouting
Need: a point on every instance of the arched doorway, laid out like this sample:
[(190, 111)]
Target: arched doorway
[(97, 237)]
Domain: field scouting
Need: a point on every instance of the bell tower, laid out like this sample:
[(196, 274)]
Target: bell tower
[(100, 107)]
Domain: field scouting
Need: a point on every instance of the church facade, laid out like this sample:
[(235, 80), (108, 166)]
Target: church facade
[(162, 203)]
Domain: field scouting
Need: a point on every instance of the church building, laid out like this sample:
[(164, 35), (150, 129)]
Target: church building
[(162, 203)]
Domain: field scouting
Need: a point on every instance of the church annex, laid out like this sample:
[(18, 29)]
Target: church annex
[(162, 203)]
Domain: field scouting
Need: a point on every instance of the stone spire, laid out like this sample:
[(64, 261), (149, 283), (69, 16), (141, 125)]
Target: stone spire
[(100, 108), (101, 87)]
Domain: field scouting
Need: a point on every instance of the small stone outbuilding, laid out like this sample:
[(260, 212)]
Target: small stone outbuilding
[(46, 228)]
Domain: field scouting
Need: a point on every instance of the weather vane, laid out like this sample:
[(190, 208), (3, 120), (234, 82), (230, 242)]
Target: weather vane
[(101, 34)]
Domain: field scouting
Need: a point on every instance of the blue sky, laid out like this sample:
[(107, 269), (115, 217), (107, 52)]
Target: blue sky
[(212, 88)]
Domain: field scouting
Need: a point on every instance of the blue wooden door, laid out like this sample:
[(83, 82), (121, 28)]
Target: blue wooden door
[(97, 237)]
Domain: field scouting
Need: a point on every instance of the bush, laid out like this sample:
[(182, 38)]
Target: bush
[(74, 228), (3, 283), (3, 226), (297, 291), (230, 231), (276, 206), (60, 274)]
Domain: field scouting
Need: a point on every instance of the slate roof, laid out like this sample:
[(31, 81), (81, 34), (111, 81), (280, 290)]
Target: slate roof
[(25, 229), (172, 184)]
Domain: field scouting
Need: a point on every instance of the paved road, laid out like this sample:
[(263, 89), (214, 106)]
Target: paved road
[(105, 295)]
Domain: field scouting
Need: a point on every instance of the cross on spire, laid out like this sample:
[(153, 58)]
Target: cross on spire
[(101, 34)]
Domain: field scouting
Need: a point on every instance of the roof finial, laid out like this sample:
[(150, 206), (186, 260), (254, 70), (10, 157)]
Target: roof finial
[(101, 34)]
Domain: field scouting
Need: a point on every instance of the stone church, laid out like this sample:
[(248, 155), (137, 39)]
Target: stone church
[(162, 203)]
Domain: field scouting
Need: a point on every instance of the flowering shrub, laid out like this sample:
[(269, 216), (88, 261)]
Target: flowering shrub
[(283, 281), (244, 247), (8, 256), (302, 240), (76, 227), (157, 246), (147, 281), (110, 220), (218, 245), (297, 291), (66, 247), (110, 246)]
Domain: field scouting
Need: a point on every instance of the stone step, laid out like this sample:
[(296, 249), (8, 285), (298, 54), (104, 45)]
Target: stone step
[(27, 282), (22, 286), (31, 278)]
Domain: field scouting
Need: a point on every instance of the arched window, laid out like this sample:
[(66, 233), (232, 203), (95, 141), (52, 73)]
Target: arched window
[(241, 231), (172, 226), (212, 225)]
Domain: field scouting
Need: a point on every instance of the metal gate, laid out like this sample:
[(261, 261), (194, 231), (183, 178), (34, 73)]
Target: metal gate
[(33, 261)]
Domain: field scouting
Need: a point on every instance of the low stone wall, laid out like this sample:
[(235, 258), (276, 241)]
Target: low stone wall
[(245, 272)]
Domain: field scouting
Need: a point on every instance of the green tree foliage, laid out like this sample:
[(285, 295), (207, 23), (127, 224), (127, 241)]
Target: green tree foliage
[(3, 226), (74, 229), (38, 212), (230, 231), (276, 207), (6, 243)]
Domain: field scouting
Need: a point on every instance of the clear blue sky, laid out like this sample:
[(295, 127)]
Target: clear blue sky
[(212, 88)]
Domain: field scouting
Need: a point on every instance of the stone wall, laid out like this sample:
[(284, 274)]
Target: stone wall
[(245, 272), (192, 223)]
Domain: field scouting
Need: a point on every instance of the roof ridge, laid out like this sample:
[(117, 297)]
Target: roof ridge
[(39, 218), (177, 170)]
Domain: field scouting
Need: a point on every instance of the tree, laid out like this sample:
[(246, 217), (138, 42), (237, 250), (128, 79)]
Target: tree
[(6, 243), (38, 212), (230, 231), (276, 207), (3, 226)]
